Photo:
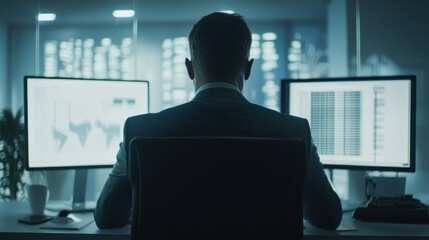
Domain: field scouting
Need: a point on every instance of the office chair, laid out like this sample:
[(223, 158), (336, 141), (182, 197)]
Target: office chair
[(217, 188)]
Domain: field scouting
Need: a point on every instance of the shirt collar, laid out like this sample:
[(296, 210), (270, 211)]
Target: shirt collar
[(218, 85)]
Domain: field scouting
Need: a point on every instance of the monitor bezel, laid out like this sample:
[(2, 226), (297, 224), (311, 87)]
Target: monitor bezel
[(27, 165), (284, 108)]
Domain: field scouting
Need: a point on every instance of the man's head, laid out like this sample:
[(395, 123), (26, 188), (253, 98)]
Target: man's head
[(220, 46)]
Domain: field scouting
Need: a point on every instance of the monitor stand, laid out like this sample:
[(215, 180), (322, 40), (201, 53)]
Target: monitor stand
[(357, 190), (79, 203)]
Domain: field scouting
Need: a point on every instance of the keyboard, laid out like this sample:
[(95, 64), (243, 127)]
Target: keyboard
[(395, 209)]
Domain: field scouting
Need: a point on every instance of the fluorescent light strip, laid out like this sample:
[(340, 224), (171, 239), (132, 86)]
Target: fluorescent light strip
[(123, 13), (46, 17), (228, 11)]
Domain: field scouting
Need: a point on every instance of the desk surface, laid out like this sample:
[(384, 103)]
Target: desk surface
[(11, 229)]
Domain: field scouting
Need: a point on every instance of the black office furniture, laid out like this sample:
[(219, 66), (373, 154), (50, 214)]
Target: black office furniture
[(217, 188)]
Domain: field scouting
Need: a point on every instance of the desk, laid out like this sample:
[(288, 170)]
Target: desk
[(369, 230), (11, 229)]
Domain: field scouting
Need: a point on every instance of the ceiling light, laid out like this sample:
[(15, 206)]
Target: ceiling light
[(123, 13), (228, 11), (46, 17)]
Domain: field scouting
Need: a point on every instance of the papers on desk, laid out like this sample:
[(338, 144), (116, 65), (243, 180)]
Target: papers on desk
[(345, 228), (71, 222), (342, 228)]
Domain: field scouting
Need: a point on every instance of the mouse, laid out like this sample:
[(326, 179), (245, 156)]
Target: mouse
[(63, 213), (63, 217)]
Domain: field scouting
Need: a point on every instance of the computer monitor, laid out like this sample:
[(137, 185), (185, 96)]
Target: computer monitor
[(78, 123), (362, 123)]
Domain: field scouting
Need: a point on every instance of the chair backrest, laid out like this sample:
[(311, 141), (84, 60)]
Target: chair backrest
[(217, 188)]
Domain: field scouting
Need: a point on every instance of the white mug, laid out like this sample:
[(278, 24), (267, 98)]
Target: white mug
[(37, 195)]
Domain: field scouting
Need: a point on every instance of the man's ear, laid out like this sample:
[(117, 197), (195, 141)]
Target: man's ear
[(190, 69), (248, 69)]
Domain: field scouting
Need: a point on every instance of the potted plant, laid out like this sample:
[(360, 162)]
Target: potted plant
[(11, 155)]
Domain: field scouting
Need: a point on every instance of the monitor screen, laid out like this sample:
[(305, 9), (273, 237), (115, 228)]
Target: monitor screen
[(72, 123), (357, 122)]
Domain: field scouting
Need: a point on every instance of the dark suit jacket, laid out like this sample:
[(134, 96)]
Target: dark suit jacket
[(222, 112)]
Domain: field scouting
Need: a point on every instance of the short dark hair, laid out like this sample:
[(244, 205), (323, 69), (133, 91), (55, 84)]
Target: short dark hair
[(220, 45)]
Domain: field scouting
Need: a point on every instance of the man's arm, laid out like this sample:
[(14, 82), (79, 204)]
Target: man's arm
[(322, 206), (114, 204)]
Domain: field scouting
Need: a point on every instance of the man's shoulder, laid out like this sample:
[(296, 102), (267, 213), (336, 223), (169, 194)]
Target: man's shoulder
[(137, 118), (279, 115), (145, 117), (293, 118)]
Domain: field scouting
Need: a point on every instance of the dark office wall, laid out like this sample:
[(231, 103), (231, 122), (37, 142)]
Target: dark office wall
[(21, 61), (4, 83), (395, 40), (337, 38)]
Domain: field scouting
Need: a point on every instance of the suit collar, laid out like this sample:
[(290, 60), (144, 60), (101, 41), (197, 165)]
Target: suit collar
[(218, 85), (220, 93)]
